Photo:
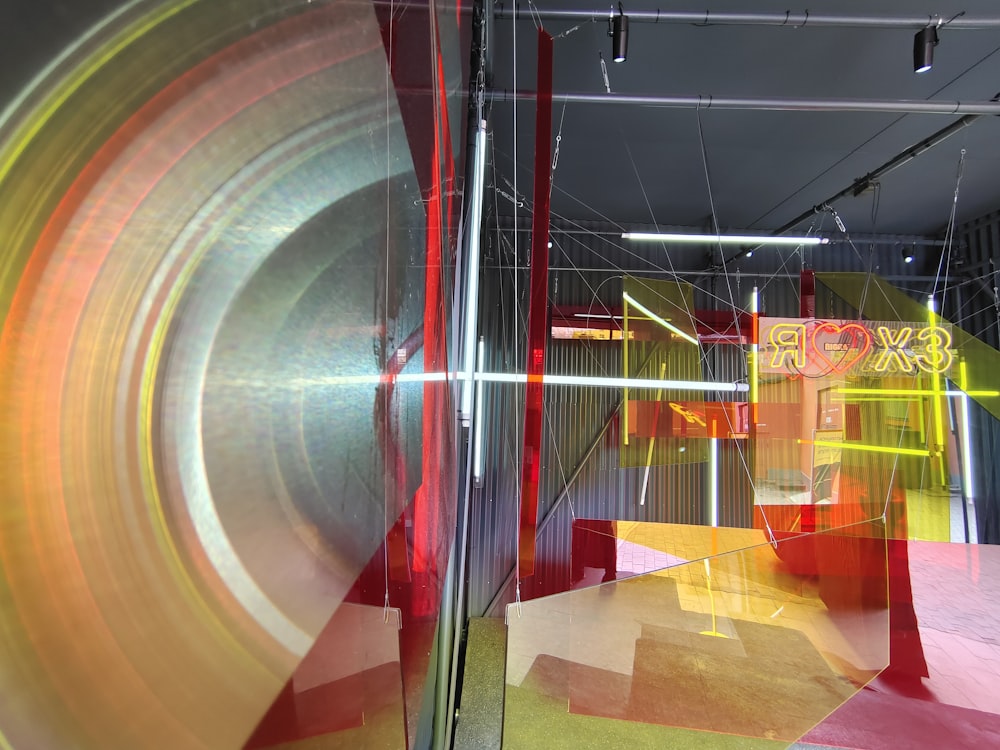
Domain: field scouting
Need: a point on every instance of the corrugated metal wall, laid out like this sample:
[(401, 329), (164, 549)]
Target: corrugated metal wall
[(581, 431)]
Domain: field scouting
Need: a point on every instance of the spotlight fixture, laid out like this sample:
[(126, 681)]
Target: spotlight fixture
[(618, 31), (748, 253), (923, 49), (907, 254)]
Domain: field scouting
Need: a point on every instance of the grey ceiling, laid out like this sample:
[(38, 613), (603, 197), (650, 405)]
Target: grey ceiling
[(641, 164)]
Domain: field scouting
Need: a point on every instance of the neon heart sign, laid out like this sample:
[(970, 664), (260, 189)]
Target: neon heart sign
[(853, 342)]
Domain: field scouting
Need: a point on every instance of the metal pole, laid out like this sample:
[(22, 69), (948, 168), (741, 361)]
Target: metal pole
[(707, 101), (793, 19)]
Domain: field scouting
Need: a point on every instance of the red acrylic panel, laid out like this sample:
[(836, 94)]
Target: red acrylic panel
[(537, 312)]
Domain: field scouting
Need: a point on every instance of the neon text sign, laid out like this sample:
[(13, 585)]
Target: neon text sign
[(835, 346)]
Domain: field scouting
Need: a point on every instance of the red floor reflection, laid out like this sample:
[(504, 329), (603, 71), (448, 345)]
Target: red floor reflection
[(942, 687)]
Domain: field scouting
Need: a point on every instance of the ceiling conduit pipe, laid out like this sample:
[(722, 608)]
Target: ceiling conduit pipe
[(705, 102), (791, 19), (863, 183)]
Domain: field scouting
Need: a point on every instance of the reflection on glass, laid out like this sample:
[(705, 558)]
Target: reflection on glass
[(660, 342), (849, 417), (763, 642), (350, 684), (217, 217)]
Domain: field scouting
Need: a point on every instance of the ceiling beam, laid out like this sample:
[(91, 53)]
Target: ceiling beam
[(706, 101), (791, 19)]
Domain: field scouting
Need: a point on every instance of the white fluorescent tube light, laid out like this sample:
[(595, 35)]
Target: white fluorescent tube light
[(477, 435), (472, 293), (652, 315), (725, 239)]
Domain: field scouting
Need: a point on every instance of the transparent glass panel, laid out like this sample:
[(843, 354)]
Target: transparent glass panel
[(850, 415), (659, 342), (763, 643), (940, 688), (347, 692), (230, 231)]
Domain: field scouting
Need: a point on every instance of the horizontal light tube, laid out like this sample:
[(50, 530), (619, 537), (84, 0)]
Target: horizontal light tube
[(867, 448), (520, 377), (676, 385), (905, 392), (657, 319), (725, 239)]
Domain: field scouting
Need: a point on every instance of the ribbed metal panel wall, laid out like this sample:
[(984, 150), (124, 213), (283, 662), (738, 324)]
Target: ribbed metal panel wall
[(587, 265)]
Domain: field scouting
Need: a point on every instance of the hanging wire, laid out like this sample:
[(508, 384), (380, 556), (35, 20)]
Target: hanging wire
[(535, 17), (387, 422), (736, 320), (949, 237), (517, 298)]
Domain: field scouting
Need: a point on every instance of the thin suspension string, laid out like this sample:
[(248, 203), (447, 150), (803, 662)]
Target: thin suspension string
[(740, 451), (592, 209), (945, 259), (765, 280), (649, 207), (595, 298), (614, 268), (517, 299), (546, 406), (535, 17), (715, 222), (703, 354), (558, 245), (387, 420), (670, 272)]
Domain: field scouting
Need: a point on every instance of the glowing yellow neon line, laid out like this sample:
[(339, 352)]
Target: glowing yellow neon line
[(788, 340), (906, 392), (939, 439), (657, 319), (625, 373), (868, 448), (892, 349)]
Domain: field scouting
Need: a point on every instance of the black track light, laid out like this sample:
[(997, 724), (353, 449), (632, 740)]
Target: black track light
[(908, 255), (923, 49), (618, 31)]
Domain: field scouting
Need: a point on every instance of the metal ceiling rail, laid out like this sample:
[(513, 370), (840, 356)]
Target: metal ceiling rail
[(905, 106), (797, 19), (903, 157)]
